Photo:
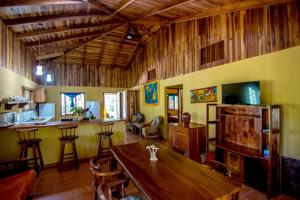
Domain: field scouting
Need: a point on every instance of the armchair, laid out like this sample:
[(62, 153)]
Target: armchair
[(151, 130), (136, 119)]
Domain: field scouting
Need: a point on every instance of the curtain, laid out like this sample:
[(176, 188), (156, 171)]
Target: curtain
[(133, 103)]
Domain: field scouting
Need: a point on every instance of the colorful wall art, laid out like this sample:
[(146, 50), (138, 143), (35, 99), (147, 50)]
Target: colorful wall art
[(203, 95), (151, 93)]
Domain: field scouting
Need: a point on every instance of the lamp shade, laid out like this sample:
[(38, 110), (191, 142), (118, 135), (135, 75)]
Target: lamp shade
[(39, 70)]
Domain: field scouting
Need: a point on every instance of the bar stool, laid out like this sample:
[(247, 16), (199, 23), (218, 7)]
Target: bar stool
[(105, 133), (27, 141), (67, 137)]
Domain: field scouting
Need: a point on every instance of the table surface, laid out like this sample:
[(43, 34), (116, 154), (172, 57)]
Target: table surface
[(172, 176)]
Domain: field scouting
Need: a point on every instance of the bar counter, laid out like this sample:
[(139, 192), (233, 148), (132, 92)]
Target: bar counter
[(60, 123), (87, 143)]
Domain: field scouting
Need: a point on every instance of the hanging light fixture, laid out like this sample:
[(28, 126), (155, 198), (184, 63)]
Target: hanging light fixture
[(132, 33), (49, 78), (39, 67)]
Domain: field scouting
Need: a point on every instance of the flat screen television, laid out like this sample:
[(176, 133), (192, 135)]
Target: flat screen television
[(246, 93)]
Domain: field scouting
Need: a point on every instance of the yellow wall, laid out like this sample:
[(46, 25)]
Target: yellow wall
[(279, 74), (87, 143), (11, 84), (91, 94)]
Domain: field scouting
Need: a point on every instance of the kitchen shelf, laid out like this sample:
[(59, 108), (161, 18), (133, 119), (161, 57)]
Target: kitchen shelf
[(10, 104)]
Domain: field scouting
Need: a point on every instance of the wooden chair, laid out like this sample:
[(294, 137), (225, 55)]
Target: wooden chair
[(107, 182), (151, 129), (16, 179), (29, 141), (68, 136), (105, 133), (219, 167)]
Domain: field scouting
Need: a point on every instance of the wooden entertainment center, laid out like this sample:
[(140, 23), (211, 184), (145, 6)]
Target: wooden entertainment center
[(247, 140)]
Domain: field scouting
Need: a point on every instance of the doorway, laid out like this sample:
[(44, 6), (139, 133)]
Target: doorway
[(174, 105)]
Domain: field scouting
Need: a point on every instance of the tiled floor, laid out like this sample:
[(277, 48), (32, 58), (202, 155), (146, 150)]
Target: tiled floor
[(77, 184)]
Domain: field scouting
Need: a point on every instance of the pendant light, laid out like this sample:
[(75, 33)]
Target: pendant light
[(49, 78), (132, 33), (39, 67)]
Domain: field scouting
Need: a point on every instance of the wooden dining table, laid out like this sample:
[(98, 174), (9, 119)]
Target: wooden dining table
[(173, 176)]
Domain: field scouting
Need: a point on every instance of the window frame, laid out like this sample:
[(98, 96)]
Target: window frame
[(61, 114), (116, 93)]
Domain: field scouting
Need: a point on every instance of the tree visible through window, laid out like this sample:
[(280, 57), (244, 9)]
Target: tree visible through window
[(69, 101), (111, 104)]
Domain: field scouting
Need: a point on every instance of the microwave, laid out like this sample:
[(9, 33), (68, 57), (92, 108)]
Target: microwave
[(7, 119)]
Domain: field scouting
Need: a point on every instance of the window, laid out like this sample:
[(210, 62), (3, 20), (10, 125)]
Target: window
[(69, 101), (115, 105), (173, 102), (111, 105)]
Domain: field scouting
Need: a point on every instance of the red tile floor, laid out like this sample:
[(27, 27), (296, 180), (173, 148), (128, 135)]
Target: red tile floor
[(77, 184)]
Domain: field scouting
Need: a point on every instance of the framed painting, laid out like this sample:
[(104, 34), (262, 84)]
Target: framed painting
[(204, 95), (151, 93)]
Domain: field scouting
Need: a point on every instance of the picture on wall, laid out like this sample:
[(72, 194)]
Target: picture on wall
[(151, 93), (204, 95)]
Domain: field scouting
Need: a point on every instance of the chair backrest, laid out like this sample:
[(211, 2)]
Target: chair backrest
[(105, 179), (218, 166), (156, 121), (106, 127), (68, 131), (27, 134), (138, 117)]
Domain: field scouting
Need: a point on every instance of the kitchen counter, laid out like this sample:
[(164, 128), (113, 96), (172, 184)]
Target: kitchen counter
[(59, 123), (87, 143)]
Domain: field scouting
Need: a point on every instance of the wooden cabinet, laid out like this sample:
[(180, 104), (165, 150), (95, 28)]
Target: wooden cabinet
[(40, 95), (247, 140), (190, 140)]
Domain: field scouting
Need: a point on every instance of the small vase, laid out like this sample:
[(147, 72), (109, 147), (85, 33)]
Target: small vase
[(186, 118)]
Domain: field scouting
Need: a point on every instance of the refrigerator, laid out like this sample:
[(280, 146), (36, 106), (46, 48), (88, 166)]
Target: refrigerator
[(47, 110), (94, 107)]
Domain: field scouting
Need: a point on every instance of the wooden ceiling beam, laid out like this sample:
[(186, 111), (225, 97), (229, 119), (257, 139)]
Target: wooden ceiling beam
[(107, 10), (115, 59), (99, 37), (227, 8), (24, 35), (60, 48), (65, 38), (49, 18), (162, 8), (16, 3), (48, 55), (122, 5)]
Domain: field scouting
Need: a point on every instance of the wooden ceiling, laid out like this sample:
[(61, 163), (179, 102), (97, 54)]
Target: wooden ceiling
[(93, 31)]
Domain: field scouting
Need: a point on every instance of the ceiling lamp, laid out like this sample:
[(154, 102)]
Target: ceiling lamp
[(49, 78), (39, 67), (132, 33)]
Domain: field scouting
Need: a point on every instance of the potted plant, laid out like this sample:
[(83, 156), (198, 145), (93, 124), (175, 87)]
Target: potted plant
[(79, 112)]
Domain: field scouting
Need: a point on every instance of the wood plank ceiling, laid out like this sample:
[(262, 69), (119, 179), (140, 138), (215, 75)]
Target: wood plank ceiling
[(94, 31)]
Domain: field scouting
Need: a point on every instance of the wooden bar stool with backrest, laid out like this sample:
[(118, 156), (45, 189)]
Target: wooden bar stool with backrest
[(105, 133), (68, 136), (28, 140)]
